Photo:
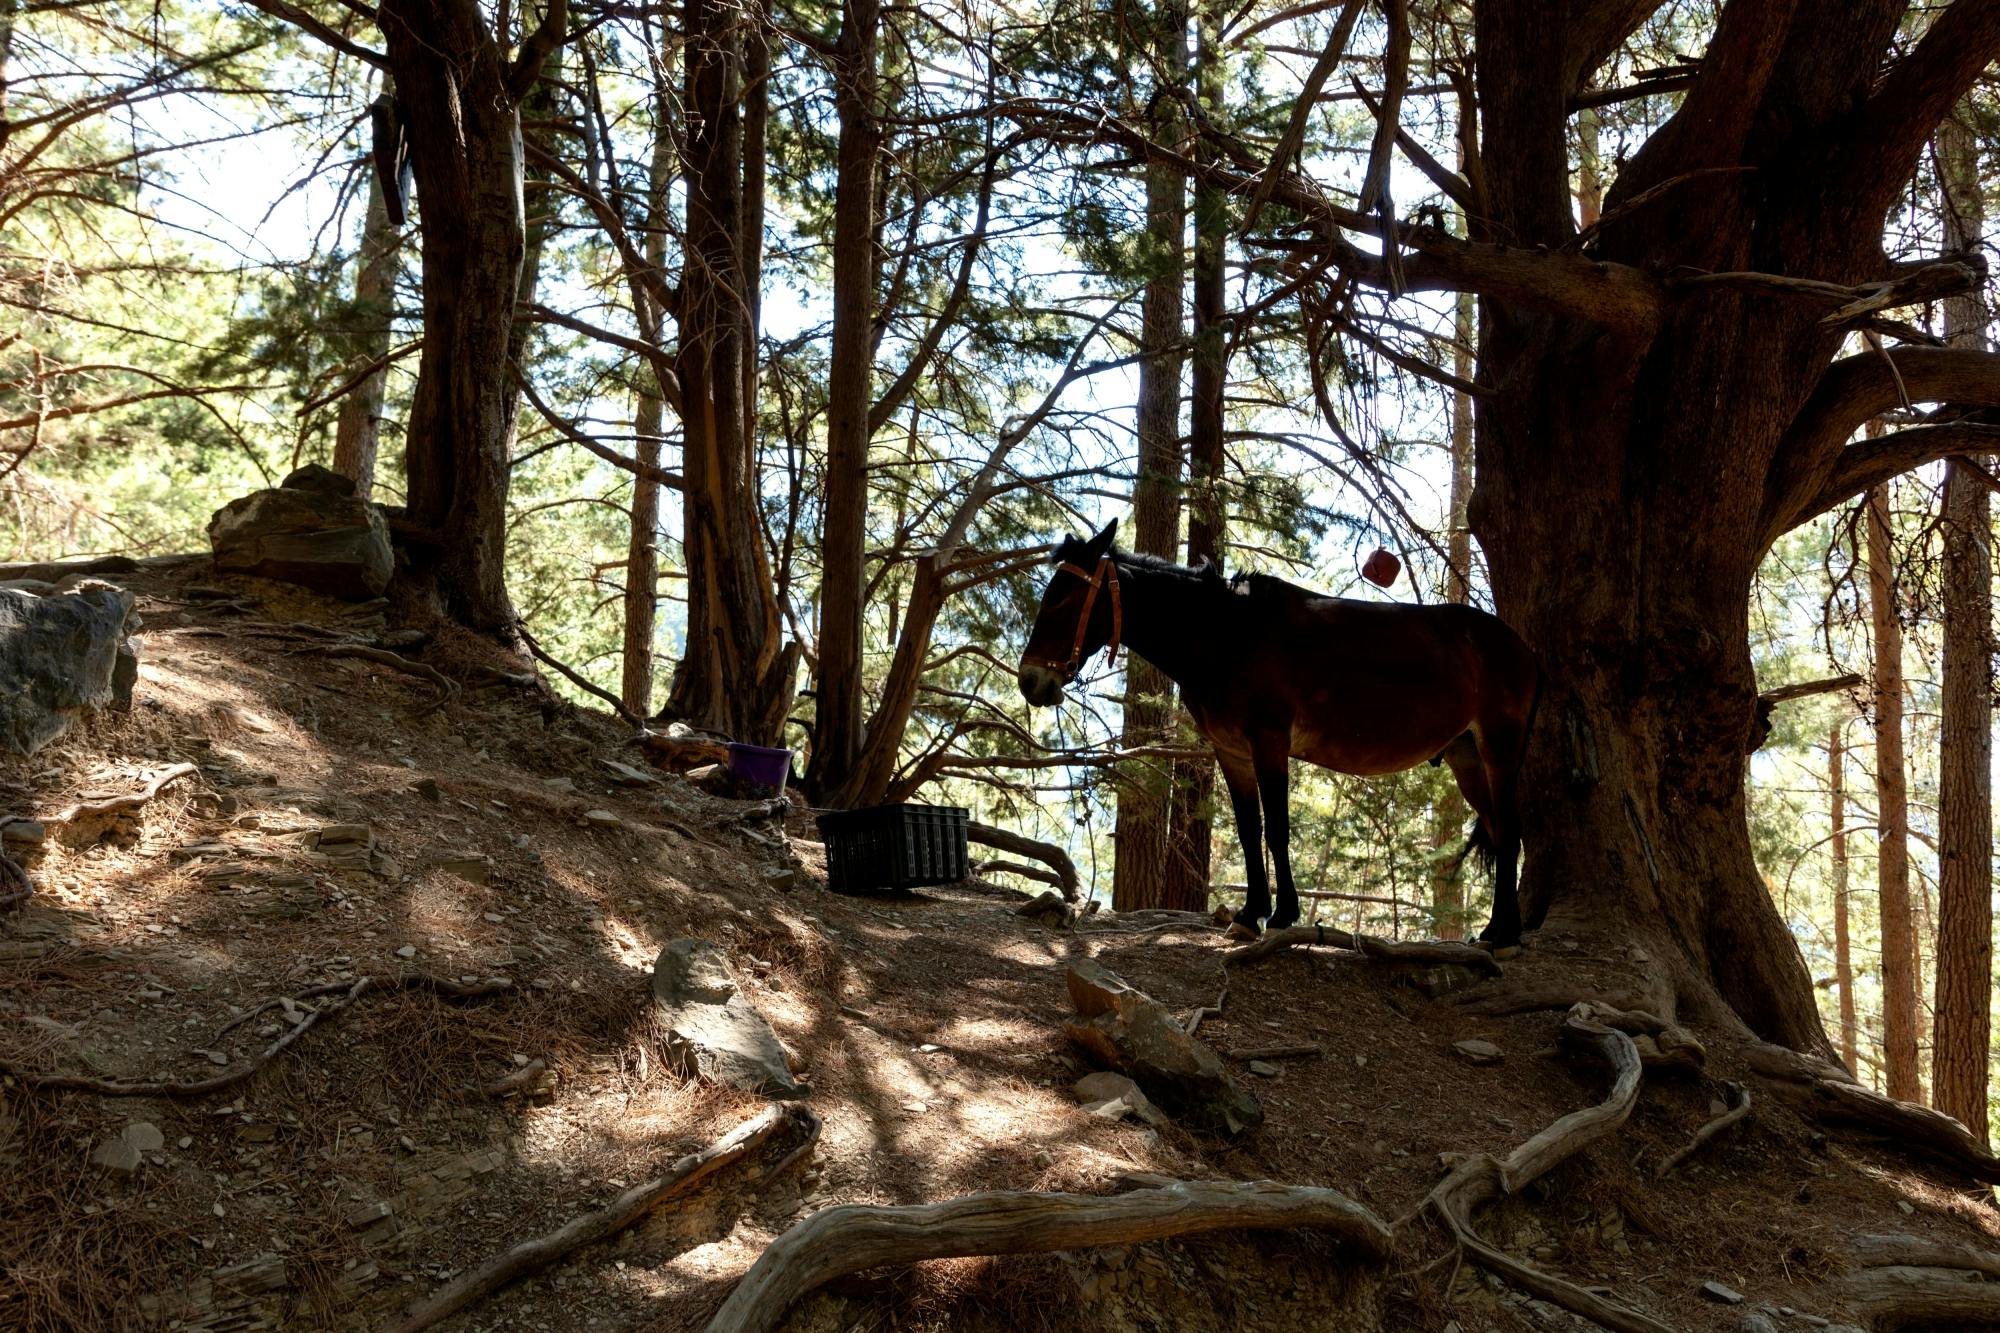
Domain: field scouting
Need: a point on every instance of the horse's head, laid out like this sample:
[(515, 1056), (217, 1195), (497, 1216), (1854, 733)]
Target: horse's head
[(1079, 615)]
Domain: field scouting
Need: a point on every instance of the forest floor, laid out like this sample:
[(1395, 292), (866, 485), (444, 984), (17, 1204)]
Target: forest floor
[(365, 1163)]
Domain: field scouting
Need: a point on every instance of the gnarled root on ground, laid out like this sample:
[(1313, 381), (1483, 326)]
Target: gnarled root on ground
[(1907, 1297), (847, 1239), (447, 689), (1739, 1106), (1478, 1179), (345, 993), (1661, 1044), (792, 1123), (1834, 1096), (1395, 951)]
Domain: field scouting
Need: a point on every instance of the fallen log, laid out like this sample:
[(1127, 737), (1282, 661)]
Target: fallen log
[(532, 1256), (847, 1239)]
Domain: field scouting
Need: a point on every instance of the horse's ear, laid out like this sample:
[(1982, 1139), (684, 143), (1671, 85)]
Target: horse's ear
[(1102, 541)]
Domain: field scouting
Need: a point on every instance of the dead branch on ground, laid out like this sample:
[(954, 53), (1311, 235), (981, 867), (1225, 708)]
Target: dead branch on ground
[(119, 805), (1480, 1178), (532, 1256), (1739, 1106), (517, 1082), (1207, 1011), (1394, 951), (847, 1239), (346, 993), (12, 877), (1298, 1050)]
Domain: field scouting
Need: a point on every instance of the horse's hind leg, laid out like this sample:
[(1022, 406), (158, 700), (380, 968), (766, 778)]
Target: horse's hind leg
[(1241, 779), (1500, 752), (1274, 785)]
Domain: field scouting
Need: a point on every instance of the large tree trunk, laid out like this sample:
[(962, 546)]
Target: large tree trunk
[(1449, 816), (1623, 529), (642, 552), (1843, 956), (1141, 863), (737, 676), (1191, 812), (838, 693), (1899, 980), (1965, 823), (461, 98), (356, 431)]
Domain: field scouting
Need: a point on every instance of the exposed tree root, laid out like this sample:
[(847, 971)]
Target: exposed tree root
[(120, 805), (532, 1256), (517, 1082), (1661, 1045), (1395, 951), (1479, 1178), (347, 992), (18, 888), (447, 689), (847, 1239), (1739, 1106), (1835, 1096), (1054, 857), (1196, 1018), (1899, 1251), (1887, 1299), (1027, 872)]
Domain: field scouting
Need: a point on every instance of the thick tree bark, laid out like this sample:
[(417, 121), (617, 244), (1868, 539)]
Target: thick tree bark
[(356, 431), (738, 674), (1899, 983), (837, 712), (1141, 863), (1843, 956), (461, 97), (1963, 1004)]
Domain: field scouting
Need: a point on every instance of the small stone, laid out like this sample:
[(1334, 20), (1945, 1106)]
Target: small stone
[(1262, 1068), (784, 878), (627, 776), (184, 1142), (218, 1057), (468, 866), (117, 1156), (1715, 1291), (428, 789), (916, 1108), (602, 819), (407, 951), (1756, 1322), (565, 785), (145, 1136), (368, 1214), (1479, 1052)]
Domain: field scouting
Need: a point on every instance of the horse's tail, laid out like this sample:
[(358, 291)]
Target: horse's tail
[(1480, 843)]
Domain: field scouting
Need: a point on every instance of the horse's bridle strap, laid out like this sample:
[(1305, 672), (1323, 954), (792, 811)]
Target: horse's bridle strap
[(1106, 572)]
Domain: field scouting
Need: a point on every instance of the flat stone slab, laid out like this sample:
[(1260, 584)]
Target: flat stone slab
[(312, 530), (712, 1027), (1127, 1030)]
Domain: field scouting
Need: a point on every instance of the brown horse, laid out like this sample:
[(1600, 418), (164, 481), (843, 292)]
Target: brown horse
[(1271, 671)]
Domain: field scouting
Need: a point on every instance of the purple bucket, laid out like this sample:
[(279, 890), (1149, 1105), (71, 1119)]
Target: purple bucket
[(760, 764)]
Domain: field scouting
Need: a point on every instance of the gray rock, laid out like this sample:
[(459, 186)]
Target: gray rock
[(627, 776), (145, 1136), (1112, 1096), (59, 655), (308, 531), (1479, 1052), (1715, 1291), (1756, 1321), (117, 1156), (602, 819), (1262, 1068), (712, 1028), (1128, 1030), (1441, 979)]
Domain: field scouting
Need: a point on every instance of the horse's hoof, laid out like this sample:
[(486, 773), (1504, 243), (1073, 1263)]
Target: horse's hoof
[(1281, 921), (1501, 953), (1241, 930)]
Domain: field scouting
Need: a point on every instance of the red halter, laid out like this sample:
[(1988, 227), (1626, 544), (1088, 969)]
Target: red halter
[(1106, 573)]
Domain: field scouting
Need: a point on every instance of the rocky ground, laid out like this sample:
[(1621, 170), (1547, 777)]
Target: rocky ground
[(504, 870)]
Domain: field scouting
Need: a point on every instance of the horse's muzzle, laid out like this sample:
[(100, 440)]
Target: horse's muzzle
[(1040, 685)]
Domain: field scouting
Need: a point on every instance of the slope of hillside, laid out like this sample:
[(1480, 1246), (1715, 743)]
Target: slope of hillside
[(469, 850)]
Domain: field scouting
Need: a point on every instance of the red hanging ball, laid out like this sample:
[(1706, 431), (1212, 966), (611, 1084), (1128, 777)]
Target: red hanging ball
[(1381, 568)]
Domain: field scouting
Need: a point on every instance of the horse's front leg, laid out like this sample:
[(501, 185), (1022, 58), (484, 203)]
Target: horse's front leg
[(1242, 784), (1274, 785)]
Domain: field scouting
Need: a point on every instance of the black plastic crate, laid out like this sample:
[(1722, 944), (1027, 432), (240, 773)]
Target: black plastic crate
[(888, 847)]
